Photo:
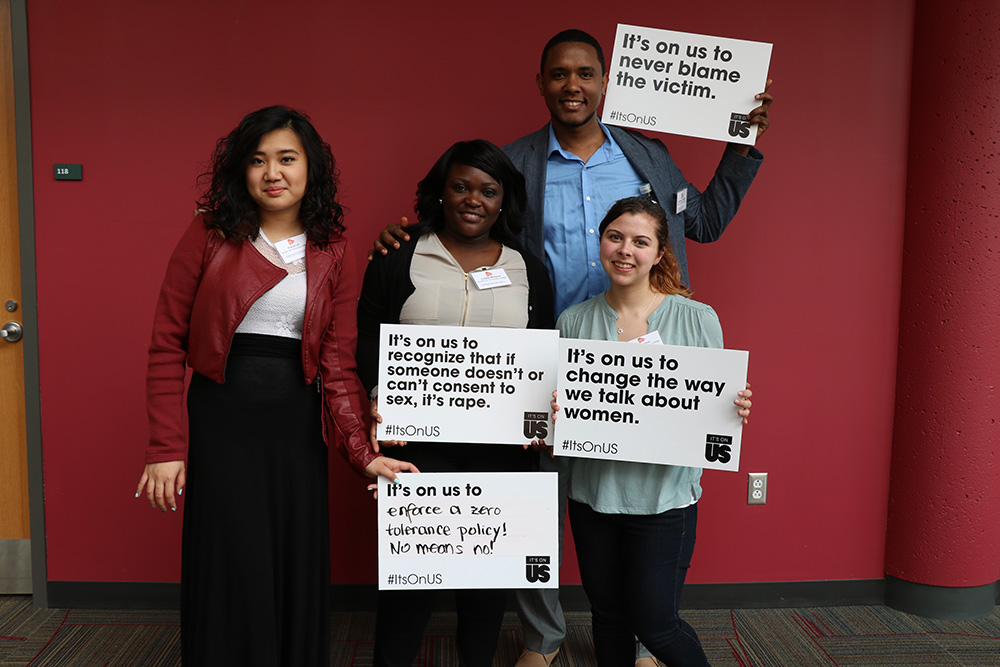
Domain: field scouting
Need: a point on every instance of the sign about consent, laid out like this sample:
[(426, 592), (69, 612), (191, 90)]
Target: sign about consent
[(683, 83), (650, 403), (468, 530), (465, 384)]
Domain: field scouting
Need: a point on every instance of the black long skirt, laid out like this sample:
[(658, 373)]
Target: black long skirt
[(255, 575)]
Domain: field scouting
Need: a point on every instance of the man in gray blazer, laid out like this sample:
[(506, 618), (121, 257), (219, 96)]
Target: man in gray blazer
[(575, 168)]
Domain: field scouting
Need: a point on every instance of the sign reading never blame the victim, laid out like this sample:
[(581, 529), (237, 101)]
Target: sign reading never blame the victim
[(666, 404), (465, 384), (468, 530), (695, 85)]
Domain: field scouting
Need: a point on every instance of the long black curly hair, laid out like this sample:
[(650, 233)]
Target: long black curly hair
[(227, 203)]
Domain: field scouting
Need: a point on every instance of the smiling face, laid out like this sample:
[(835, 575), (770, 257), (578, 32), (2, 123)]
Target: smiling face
[(471, 201), (629, 248), (278, 173), (572, 83)]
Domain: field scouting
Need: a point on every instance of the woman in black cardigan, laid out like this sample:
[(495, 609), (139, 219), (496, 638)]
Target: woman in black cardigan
[(470, 207)]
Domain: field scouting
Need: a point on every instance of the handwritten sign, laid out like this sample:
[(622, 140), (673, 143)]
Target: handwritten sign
[(683, 83), (468, 530), (465, 384), (650, 403)]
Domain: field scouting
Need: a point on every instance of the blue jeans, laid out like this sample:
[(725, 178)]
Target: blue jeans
[(633, 568)]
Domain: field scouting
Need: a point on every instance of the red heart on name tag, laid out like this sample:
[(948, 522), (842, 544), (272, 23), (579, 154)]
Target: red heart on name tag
[(488, 273), (641, 340)]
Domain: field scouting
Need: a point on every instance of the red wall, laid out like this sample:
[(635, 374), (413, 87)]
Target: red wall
[(945, 494), (807, 278)]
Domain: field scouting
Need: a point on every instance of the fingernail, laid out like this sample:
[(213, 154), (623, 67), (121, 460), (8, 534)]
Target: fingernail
[(164, 511), (180, 492), (396, 481), (173, 509), (136, 494)]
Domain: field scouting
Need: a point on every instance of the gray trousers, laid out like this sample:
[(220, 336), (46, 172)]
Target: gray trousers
[(542, 620)]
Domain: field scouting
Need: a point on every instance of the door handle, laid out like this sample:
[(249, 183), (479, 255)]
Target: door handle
[(11, 332)]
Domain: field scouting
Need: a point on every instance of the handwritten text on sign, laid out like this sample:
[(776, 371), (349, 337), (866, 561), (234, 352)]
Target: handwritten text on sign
[(650, 403), (468, 530), (683, 83), (465, 384)]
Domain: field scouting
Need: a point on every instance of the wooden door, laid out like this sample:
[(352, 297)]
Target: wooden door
[(15, 558)]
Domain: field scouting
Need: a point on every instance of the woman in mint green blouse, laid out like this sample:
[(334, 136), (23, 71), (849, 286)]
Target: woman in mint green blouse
[(634, 523)]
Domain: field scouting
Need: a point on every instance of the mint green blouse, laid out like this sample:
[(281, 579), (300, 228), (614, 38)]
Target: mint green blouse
[(624, 487)]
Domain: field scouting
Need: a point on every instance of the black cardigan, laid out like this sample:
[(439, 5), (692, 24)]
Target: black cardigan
[(387, 286)]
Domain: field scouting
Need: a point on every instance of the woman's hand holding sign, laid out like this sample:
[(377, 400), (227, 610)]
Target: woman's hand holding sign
[(376, 420), (744, 403)]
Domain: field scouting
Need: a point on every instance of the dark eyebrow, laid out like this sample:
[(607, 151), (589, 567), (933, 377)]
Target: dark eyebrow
[(465, 181), (281, 152), (558, 69), (609, 228)]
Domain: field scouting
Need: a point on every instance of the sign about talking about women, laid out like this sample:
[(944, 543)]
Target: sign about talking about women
[(468, 530), (683, 83), (665, 404), (465, 384)]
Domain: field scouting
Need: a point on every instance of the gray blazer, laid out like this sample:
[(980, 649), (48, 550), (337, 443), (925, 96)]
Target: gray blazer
[(708, 213)]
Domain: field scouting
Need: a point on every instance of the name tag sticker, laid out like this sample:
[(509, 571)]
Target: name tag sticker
[(682, 200), (490, 278), (292, 249), (651, 338)]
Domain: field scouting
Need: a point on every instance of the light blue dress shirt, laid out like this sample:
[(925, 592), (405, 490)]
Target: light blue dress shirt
[(577, 196)]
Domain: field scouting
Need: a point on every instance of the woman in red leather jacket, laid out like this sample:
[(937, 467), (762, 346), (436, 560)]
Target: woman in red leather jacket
[(259, 301)]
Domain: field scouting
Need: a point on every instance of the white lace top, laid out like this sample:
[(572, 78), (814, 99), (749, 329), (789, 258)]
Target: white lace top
[(281, 310)]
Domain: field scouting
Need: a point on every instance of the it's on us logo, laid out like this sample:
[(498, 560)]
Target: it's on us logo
[(739, 125), (536, 569), (536, 425), (718, 447)]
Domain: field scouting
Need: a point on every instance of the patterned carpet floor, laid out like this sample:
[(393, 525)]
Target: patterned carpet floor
[(863, 636)]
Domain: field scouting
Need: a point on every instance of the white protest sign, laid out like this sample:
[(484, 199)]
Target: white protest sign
[(683, 83), (465, 384), (468, 530), (650, 403)]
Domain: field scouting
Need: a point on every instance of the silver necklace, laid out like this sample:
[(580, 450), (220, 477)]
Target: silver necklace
[(621, 330)]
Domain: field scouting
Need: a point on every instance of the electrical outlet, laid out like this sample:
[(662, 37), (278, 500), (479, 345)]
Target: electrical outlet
[(757, 489)]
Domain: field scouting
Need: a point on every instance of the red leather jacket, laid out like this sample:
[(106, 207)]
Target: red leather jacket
[(209, 286)]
